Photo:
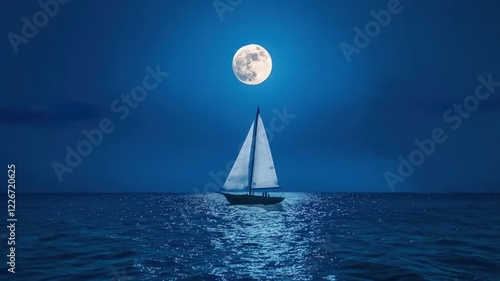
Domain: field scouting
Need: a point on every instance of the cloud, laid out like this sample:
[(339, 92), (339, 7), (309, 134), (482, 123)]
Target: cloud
[(60, 112)]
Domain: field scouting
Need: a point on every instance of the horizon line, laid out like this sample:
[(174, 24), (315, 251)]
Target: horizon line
[(185, 192)]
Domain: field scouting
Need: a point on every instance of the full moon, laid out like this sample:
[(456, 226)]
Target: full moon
[(252, 64)]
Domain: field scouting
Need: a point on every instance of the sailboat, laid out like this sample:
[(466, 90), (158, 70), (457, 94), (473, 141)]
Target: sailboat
[(253, 169)]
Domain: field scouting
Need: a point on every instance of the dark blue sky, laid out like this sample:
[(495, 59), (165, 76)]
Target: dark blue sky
[(350, 121)]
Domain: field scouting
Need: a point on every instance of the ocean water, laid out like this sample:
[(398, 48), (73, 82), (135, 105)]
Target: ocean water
[(310, 236)]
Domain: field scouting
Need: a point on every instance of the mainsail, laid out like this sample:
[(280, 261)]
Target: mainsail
[(264, 174), (254, 162)]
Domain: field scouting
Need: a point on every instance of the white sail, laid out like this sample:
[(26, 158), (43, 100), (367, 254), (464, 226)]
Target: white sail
[(238, 177), (264, 174)]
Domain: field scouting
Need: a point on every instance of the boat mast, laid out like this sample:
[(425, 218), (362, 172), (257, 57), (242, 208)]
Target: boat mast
[(252, 156)]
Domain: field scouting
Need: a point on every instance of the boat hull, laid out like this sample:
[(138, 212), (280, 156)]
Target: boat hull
[(245, 199)]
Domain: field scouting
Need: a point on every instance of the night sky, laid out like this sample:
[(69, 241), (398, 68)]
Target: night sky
[(344, 108)]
